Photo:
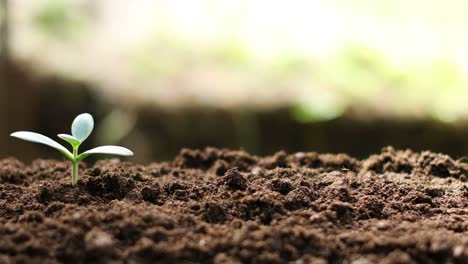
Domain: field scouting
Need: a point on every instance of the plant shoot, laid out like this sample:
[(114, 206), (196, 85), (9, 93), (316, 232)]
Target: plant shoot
[(81, 128)]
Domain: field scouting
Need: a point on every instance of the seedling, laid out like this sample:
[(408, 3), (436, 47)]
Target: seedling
[(81, 128)]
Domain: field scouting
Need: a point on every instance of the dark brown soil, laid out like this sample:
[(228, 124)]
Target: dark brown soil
[(220, 206)]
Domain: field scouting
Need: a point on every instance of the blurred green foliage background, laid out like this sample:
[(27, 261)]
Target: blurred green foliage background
[(321, 60), (350, 53)]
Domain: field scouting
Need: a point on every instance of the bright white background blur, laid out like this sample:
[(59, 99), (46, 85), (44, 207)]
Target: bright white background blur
[(323, 57)]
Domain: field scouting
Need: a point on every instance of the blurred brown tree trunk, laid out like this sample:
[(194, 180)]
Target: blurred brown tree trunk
[(17, 99), (4, 62)]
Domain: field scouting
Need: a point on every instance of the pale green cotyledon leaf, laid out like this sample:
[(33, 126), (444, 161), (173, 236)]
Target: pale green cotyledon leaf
[(70, 139), (82, 126), (41, 139), (113, 150)]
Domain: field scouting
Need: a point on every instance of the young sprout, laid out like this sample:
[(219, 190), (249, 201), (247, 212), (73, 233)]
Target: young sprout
[(81, 128)]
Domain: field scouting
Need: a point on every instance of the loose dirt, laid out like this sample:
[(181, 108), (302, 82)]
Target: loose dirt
[(221, 206)]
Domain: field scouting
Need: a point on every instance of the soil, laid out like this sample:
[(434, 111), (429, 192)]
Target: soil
[(221, 206)]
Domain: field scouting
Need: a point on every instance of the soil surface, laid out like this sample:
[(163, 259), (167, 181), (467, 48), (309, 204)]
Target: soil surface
[(221, 206)]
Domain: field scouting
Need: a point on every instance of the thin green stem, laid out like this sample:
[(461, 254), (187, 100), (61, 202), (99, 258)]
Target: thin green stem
[(75, 167)]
